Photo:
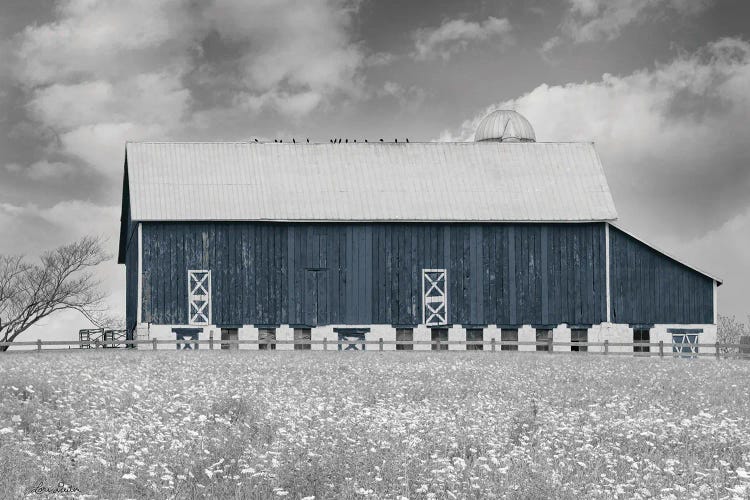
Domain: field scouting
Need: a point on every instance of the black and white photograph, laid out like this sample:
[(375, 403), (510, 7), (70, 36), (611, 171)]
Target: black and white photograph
[(375, 249)]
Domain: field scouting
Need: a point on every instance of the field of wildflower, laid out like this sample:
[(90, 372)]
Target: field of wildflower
[(243, 424)]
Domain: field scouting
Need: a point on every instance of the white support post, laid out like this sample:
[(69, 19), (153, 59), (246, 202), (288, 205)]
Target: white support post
[(716, 302)]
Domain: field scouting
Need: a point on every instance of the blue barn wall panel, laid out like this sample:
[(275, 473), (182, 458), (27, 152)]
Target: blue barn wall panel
[(317, 274), (649, 287)]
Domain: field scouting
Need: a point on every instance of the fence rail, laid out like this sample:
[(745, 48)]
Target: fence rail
[(646, 349)]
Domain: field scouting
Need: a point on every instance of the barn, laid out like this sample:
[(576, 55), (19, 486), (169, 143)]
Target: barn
[(501, 238)]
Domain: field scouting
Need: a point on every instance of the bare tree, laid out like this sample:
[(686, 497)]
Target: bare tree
[(63, 279), (729, 330)]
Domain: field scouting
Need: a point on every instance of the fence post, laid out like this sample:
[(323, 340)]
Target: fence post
[(39, 345), (493, 344), (606, 346), (661, 348), (437, 346), (154, 343), (325, 343), (211, 340), (549, 343), (380, 343), (718, 353)]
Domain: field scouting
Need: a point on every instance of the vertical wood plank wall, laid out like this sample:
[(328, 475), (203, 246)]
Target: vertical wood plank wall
[(130, 252), (649, 287), (318, 274)]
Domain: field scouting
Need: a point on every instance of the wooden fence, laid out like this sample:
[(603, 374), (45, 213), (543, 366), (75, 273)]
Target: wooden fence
[(661, 349)]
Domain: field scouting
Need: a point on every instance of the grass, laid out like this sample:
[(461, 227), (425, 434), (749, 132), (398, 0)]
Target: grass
[(117, 424)]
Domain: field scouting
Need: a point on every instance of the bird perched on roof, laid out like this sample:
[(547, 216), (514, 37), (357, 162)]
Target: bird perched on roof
[(256, 140), (275, 140), (293, 141), (381, 140), (407, 139), (308, 140), (396, 140)]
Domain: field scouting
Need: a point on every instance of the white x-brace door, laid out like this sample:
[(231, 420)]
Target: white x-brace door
[(435, 297), (199, 297)]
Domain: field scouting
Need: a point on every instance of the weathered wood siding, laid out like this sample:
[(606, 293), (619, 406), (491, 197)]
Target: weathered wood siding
[(131, 278), (647, 287), (317, 274)]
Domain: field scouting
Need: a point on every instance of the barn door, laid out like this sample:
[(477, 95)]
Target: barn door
[(199, 297), (315, 296)]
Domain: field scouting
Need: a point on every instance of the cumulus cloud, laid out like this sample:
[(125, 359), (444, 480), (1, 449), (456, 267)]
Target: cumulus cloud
[(672, 139), (596, 20), (103, 71), (105, 39), (295, 55), (42, 170), (455, 35)]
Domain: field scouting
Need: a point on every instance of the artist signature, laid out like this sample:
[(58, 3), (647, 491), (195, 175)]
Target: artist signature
[(41, 489)]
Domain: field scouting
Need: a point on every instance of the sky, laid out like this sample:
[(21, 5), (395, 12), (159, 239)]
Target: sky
[(662, 87)]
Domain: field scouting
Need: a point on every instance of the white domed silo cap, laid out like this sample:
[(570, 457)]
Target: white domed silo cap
[(504, 125)]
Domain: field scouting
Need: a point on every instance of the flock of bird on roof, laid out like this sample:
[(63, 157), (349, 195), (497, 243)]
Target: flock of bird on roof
[(332, 141)]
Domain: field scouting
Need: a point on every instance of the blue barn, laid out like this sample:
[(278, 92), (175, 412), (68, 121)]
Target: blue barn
[(503, 237)]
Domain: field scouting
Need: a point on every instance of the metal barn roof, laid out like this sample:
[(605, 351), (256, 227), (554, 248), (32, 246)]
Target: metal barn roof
[(463, 182)]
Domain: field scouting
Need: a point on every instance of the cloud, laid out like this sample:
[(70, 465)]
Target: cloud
[(294, 55), (597, 20), (455, 35), (42, 170), (672, 139), (409, 98), (149, 98), (103, 71), (105, 38)]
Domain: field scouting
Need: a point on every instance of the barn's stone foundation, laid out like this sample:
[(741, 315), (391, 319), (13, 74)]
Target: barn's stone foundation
[(614, 333)]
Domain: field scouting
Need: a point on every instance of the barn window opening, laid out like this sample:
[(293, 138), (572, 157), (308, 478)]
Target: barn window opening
[(229, 334), (474, 335), (685, 341), (579, 335), (641, 335), (187, 336), (440, 334), (543, 335), (509, 335), (352, 339), (266, 339), (302, 334), (405, 335)]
